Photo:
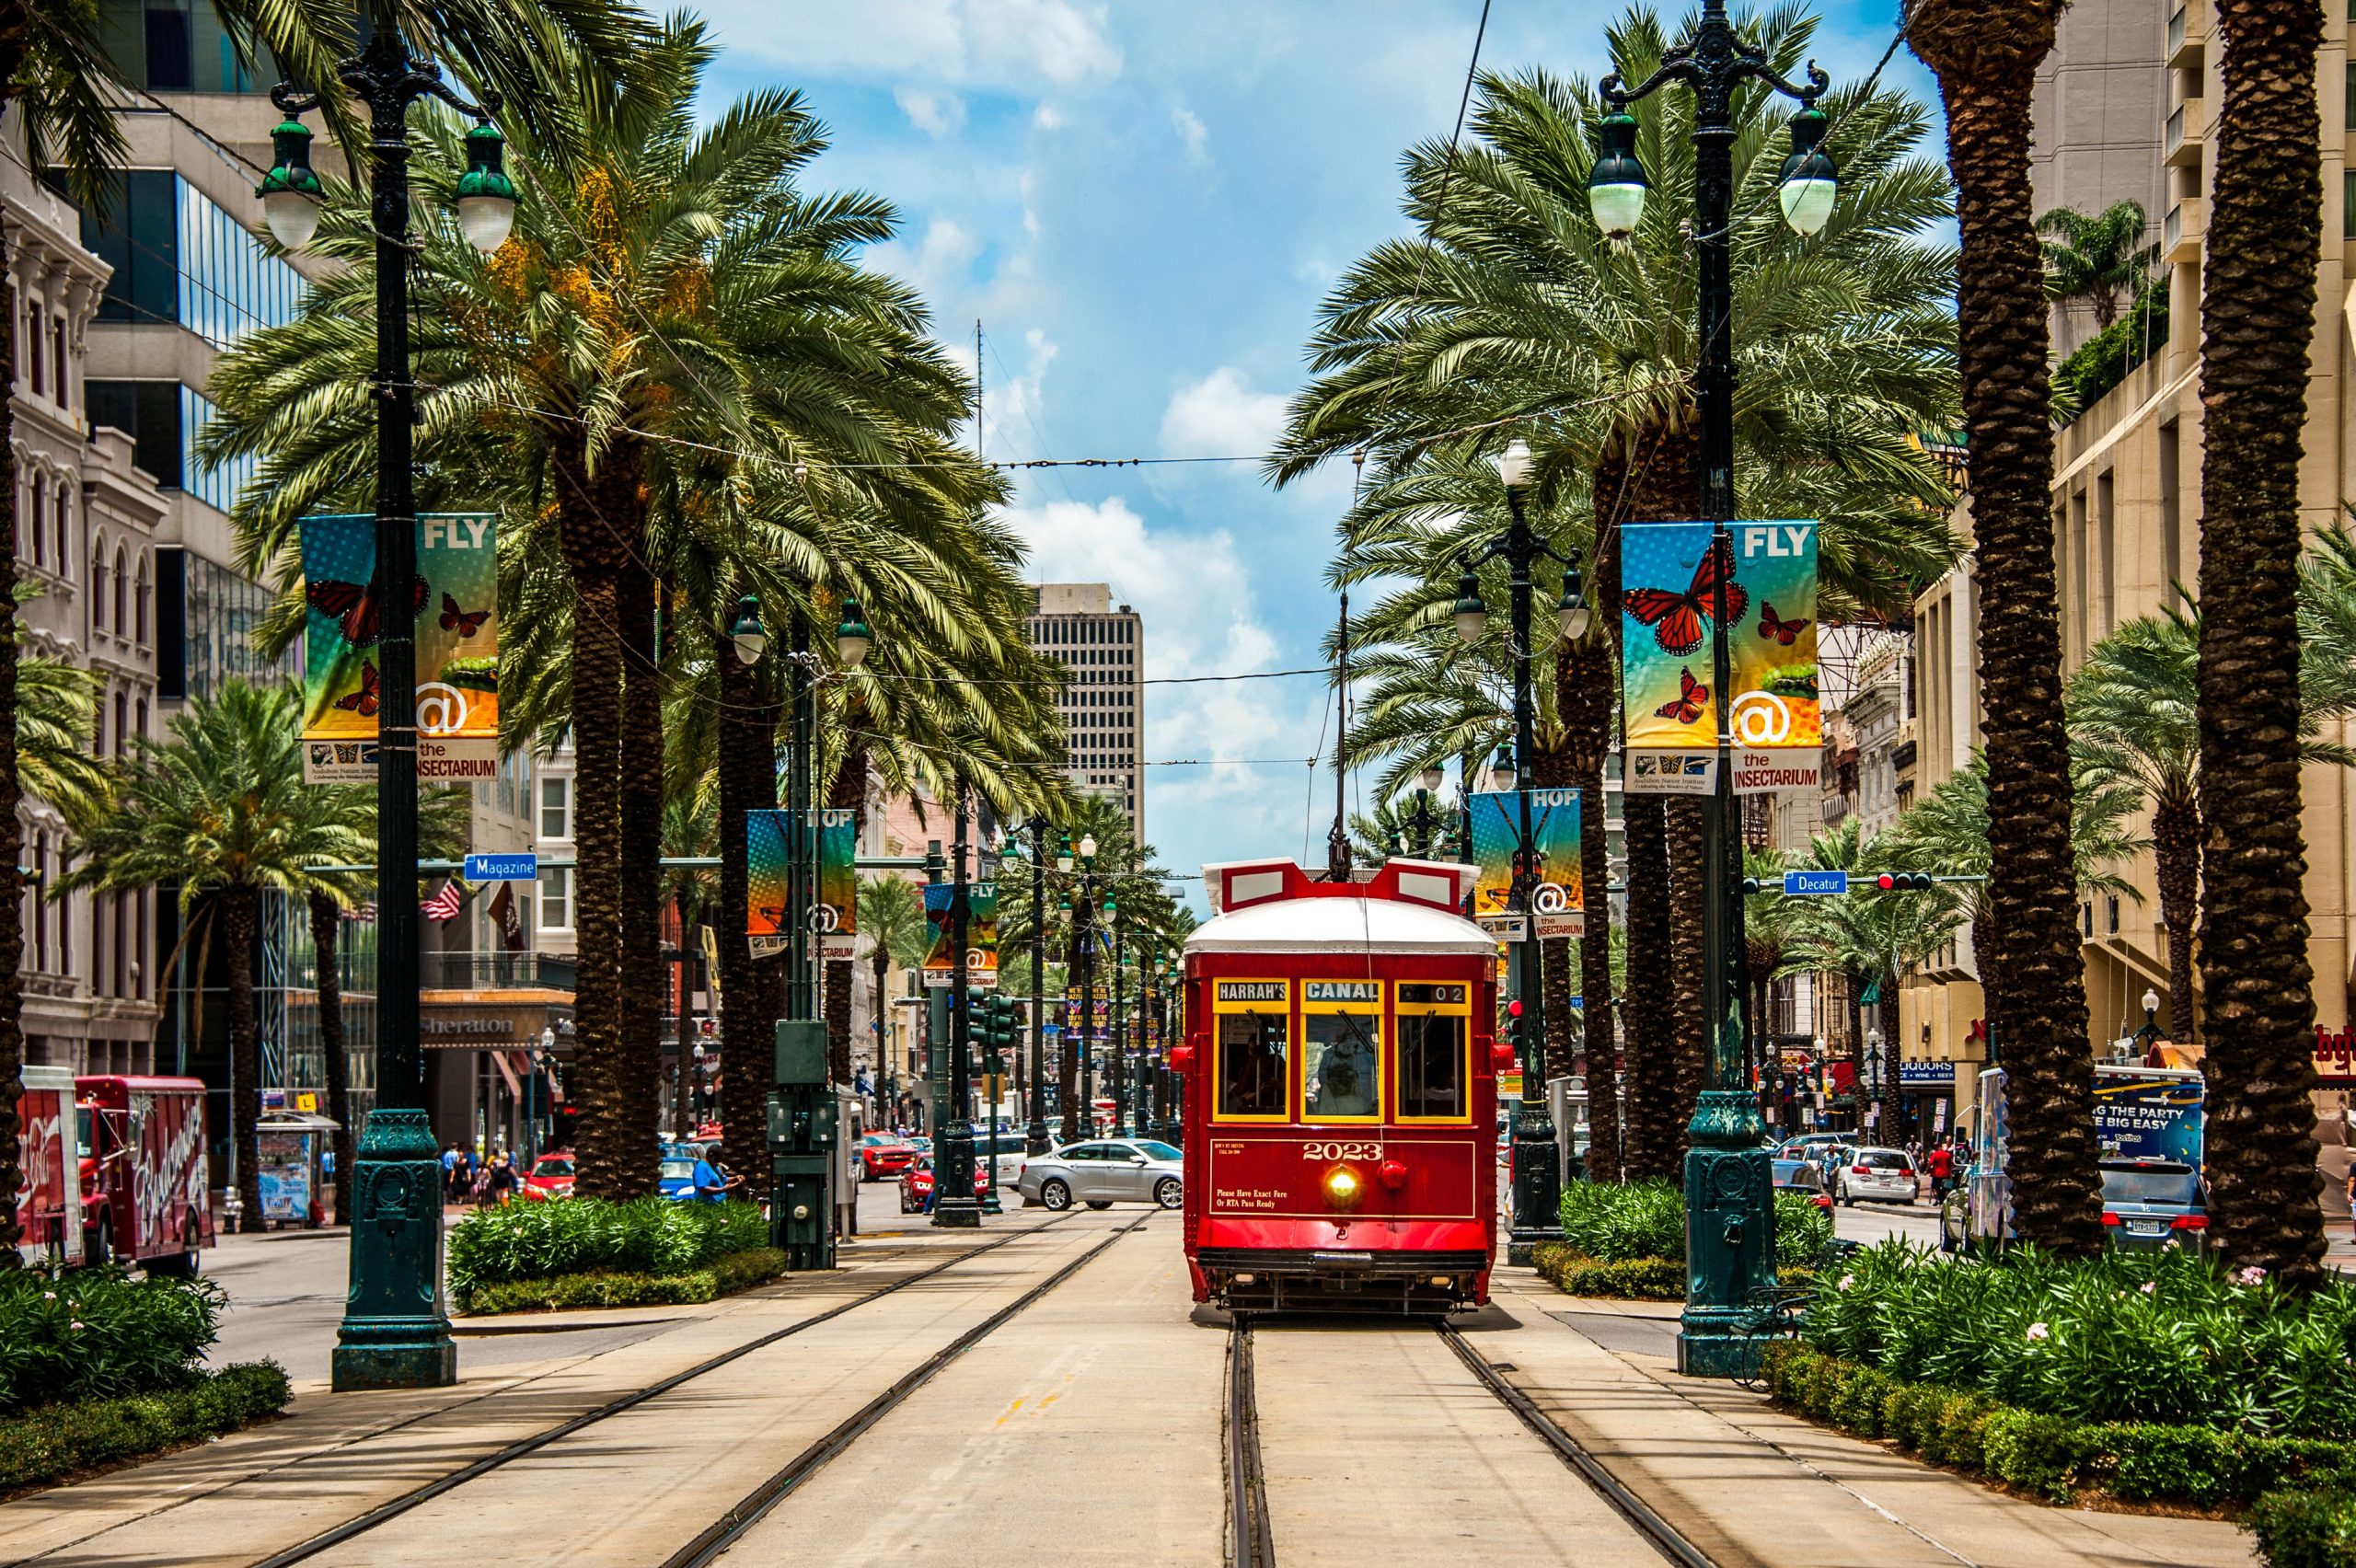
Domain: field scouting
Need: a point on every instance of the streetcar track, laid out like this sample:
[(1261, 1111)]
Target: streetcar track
[(724, 1532), (1250, 1542), (392, 1509), (1664, 1537)]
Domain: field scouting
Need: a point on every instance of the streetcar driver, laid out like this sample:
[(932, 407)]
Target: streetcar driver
[(1345, 1079)]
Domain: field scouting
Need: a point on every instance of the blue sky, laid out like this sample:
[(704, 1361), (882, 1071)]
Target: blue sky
[(1143, 202)]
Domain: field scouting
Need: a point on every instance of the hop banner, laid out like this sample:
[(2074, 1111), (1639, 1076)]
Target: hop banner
[(981, 935), (1559, 901), (834, 917), (456, 601), (1673, 573)]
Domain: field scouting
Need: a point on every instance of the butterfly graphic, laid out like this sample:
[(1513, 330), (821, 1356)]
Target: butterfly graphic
[(466, 625), (356, 608), (1676, 618), (774, 916), (363, 701), (1772, 625), (1687, 708)]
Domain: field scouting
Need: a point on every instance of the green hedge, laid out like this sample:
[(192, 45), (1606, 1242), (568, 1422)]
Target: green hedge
[(57, 1440), (99, 1333), (733, 1271), (1643, 1279), (2305, 1530), (2103, 361), (1628, 1222), (2165, 1338), (2052, 1456), (571, 1236)]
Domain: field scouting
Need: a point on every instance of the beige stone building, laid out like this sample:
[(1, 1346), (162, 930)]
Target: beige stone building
[(2127, 515)]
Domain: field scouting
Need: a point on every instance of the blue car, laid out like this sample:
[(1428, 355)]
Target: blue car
[(676, 1178)]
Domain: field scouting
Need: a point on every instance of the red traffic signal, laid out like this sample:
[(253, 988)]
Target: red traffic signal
[(1902, 881), (1513, 1008)]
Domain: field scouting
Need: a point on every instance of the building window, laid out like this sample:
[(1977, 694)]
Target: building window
[(32, 332), (555, 808), (148, 412), (139, 604), (179, 258), (2347, 205), (122, 592), (98, 586), (40, 903), (556, 899), (39, 525), (65, 530), (121, 717)]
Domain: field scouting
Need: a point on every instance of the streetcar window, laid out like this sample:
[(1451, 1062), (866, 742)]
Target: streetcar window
[(1340, 1076), (1431, 1064), (1252, 1064)]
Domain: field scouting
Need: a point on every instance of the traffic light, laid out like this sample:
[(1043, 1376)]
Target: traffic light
[(1902, 881), (999, 1030), (1515, 1029)]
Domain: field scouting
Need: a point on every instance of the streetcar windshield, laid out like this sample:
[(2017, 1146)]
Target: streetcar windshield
[(1431, 1064), (1339, 1076), (1252, 1064)]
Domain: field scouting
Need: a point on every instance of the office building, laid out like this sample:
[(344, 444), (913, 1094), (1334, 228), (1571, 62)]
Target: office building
[(1103, 702)]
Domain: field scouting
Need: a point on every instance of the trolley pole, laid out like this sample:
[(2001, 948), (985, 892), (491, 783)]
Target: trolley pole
[(1120, 1039), (1537, 1172)]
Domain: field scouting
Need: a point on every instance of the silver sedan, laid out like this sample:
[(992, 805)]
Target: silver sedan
[(1102, 1172)]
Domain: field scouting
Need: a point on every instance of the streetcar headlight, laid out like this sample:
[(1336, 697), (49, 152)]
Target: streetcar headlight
[(1344, 1188)]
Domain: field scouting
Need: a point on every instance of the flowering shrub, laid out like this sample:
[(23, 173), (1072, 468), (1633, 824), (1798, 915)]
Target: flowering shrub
[(2127, 1337), (99, 1333)]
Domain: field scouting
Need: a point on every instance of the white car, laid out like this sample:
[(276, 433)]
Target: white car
[(1102, 1172), (1882, 1175)]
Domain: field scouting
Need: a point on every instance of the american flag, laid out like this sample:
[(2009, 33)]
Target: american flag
[(443, 906)]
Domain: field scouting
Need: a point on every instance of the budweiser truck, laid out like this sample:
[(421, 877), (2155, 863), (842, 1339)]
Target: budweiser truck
[(145, 1178), (49, 1205)]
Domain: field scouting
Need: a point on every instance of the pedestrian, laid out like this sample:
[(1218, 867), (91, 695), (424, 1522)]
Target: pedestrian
[(712, 1181), (2351, 1195), (1941, 1166), (450, 1174), (499, 1183)]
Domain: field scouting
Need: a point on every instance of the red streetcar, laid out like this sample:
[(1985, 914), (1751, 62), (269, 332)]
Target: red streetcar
[(1340, 1101)]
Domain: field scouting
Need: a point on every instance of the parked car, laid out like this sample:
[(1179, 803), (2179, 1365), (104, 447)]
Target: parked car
[(1882, 1175), (675, 1177), (550, 1177), (1103, 1172), (2146, 1204), (916, 1184), (1797, 1175), (883, 1156)]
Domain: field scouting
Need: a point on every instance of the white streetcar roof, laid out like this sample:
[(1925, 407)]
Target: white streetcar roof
[(1340, 925)]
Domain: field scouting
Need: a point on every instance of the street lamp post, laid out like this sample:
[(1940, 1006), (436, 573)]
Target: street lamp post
[(1873, 1086), (955, 1206), (1120, 1067), (396, 1329), (1730, 1208), (1036, 1136)]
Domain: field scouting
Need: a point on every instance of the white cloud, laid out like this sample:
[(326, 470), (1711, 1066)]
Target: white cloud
[(939, 260), (997, 44), (1221, 416), (934, 113), (1191, 129), (1047, 117)]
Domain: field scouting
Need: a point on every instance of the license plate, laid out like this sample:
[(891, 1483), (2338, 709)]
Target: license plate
[(2144, 1227)]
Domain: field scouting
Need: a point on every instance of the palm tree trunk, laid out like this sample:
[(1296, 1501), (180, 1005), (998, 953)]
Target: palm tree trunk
[(1686, 904), (747, 767), (2256, 321), (2175, 856), (12, 931), (1986, 54), (1655, 1134), (242, 915), (638, 1088), (589, 507), (327, 933)]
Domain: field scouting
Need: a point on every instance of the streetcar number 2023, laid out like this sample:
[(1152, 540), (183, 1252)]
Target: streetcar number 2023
[(1340, 1151)]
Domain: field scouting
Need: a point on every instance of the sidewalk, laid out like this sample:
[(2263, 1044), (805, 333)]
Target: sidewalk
[(1754, 1487)]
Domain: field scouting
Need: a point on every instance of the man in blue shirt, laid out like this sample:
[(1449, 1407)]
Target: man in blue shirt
[(711, 1181)]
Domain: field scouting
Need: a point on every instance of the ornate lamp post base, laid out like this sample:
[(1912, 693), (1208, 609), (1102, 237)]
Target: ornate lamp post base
[(1730, 1235), (396, 1331)]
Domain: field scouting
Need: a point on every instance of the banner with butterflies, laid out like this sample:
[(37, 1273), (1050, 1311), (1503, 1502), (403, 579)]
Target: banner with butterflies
[(981, 935), (455, 600), (1559, 900), (1672, 573), (834, 917)]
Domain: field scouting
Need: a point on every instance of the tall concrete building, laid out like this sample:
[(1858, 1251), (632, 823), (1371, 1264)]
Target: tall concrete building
[(2126, 517), (1103, 702), (2099, 106)]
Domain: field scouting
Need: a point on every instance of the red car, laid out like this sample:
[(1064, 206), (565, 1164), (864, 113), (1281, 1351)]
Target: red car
[(883, 1156), (550, 1177), (916, 1185)]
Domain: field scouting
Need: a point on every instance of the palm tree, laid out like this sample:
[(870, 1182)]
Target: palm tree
[(2256, 318), (55, 70), (2096, 259), (221, 808), (675, 366), (1985, 53), (891, 921)]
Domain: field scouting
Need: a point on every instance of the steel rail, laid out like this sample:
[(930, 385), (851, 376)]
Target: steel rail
[(383, 1513), (725, 1531), (1664, 1537), (1250, 1543)]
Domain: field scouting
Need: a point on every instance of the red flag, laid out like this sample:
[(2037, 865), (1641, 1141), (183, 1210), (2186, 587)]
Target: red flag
[(510, 921), (443, 906)]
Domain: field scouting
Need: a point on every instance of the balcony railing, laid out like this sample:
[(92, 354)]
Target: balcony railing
[(2172, 228), (495, 972)]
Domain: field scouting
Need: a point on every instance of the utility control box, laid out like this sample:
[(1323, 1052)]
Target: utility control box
[(804, 1136)]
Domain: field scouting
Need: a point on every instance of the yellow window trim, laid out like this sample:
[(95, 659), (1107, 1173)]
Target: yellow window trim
[(1359, 1006), (1221, 1009), (1406, 1011)]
